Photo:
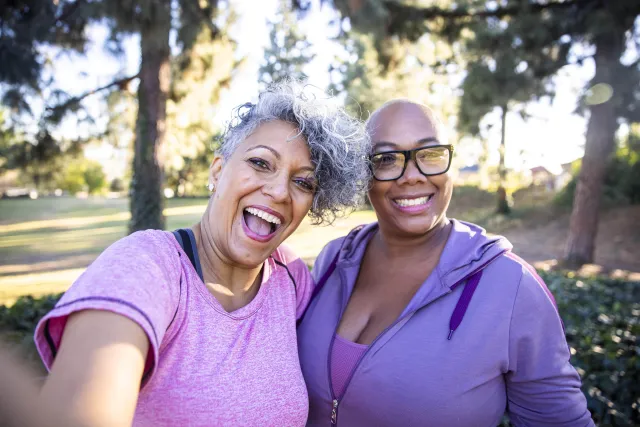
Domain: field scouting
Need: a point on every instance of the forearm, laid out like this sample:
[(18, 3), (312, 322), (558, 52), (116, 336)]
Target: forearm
[(20, 402), (96, 375)]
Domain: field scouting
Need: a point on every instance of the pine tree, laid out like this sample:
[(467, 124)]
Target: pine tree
[(27, 27), (499, 79), (289, 51), (29, 24), (546, 32), (152, 20), (372, 71)]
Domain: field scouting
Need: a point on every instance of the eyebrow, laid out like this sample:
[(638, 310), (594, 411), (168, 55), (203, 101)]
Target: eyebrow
[(393, 145), (275, 153)]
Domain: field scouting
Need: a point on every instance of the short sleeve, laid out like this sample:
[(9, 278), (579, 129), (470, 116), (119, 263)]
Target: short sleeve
[(300, 275), (137, 277), (543, 389)]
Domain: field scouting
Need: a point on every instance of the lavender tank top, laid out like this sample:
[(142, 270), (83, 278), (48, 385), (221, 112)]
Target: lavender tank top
[(344, 358)]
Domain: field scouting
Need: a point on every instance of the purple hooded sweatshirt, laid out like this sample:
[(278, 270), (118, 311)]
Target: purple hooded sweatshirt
[(452, 358)]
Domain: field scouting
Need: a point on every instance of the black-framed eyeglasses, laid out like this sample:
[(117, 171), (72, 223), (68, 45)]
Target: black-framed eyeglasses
[(431, 160)]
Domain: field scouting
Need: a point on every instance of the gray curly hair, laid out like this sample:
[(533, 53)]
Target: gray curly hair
[(338, 144)]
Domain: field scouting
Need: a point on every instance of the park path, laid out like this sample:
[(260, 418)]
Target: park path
[(617, 244)]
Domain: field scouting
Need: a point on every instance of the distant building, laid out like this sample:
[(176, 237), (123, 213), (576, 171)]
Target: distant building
[(541, 176), (469, 175)]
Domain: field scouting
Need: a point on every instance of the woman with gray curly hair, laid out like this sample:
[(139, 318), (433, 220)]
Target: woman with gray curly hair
[(198, 327)]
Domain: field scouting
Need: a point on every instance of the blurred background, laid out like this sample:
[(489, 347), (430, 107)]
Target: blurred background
[(110, 110)]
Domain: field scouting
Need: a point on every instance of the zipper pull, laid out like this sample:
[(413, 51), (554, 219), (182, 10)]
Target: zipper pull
[(334, 412)]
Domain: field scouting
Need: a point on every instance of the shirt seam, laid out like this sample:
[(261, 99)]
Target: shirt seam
[(113, 300), (513, 310)]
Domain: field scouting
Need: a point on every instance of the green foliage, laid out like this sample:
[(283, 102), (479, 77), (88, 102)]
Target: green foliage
[(602, 323), (82, 174), (8, 140), (199, 77), (72, 179), (94, 177), (40, 161), (621, 182), (370, 73), (117, 185), (191, 178), (289, 50), (27, 26), (23, 316), (28, 30), (503, 70), (512, 48)]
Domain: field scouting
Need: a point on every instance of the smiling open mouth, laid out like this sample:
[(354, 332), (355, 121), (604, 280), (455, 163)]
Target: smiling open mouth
[(260, 222), (418, 201)]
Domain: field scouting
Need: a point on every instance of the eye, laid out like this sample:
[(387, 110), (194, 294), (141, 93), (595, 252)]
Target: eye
[(306, 184), (259, 163), (433, 154), (384, 159)]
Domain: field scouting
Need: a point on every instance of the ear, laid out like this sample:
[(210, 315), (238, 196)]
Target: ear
[(215, 170)]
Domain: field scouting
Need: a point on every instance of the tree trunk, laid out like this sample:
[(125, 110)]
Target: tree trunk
[(503, 204), (147, 200), (600, 142)]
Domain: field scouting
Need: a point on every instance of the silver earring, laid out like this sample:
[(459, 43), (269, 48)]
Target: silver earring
[(211, 187)]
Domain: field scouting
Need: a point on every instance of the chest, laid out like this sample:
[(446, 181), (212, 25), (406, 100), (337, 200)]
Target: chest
[(220, 370), (380, 295), (414, 375)]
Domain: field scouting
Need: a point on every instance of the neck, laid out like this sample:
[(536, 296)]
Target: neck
[(219, 273), (405, 247)]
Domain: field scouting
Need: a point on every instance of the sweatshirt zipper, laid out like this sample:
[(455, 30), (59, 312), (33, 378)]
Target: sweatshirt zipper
[(335, 400)]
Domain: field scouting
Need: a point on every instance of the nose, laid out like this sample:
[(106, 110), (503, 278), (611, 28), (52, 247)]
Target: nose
[(277, 189), (412, 174)]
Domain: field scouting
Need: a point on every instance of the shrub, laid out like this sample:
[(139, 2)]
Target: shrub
[(25, 313), (94, 177), (602, 322), (18, 322), (82, 174), (117, 185)]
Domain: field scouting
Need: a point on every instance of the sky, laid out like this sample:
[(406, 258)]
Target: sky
[(554, 135)]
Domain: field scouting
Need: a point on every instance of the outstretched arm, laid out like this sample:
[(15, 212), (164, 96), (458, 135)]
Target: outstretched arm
[(96, 375)]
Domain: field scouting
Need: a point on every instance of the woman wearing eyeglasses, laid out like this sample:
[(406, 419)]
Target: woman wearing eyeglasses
[(423, 320)]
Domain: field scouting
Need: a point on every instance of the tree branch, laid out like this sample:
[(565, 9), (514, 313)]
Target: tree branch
[(76, 99), (459, 13), (70, 10), (195, 6)]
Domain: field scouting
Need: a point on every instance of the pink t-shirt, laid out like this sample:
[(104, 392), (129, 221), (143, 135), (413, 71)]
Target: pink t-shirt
[(205, 366)]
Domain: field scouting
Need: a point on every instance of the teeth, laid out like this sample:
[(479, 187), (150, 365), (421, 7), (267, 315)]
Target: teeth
[(412, 202), (264, 215)]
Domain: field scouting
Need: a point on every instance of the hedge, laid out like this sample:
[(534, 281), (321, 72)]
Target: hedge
[(601, 317)]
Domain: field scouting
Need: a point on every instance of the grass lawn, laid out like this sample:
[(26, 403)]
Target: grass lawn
[(46, 243)]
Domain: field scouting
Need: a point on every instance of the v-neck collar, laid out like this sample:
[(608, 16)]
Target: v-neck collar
[(268, 270)]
